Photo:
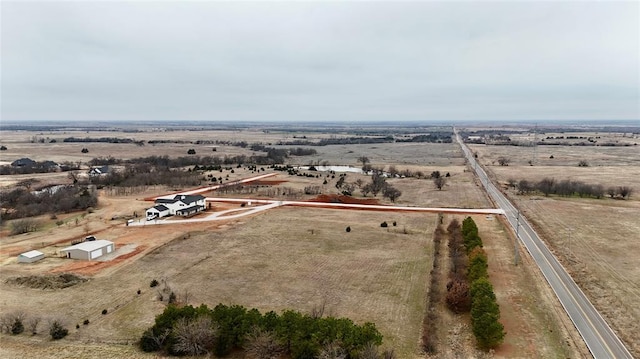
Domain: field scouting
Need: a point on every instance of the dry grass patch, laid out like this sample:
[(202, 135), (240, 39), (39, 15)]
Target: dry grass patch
[(299, 258)]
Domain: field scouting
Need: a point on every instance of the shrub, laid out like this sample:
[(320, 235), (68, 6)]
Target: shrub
[(104, 312), (153, 283), (86, 322), (17, 327), (348, 229), (57, 330), (85, 150), (32, 325), (172, 298), (583, 163), (384, 225), (458, 298)]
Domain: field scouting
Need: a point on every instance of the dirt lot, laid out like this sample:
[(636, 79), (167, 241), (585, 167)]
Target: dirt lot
[(597, 240), (286, 258)]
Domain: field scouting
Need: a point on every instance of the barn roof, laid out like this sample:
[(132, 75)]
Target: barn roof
[(89, 246), (161, 207), (31, 254)]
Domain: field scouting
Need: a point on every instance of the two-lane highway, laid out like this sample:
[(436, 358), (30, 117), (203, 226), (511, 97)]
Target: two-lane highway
[(599, 337)]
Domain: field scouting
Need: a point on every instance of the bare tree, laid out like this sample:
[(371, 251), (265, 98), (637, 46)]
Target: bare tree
[(391, 192), (6, 321), (624, 191), (393, 171), (24, 225), (261, 344), (370, 351), (318, 310), (27, 183), (186, 297), (332, 350), (504, 161), (546, 186), (194, 337), (439, 182), (364, 160), (366, 189), (32, 325), (73, 176), (377, 182)]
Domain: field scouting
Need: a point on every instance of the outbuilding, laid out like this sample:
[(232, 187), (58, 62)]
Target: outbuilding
[(30, 256), (89, 250), (157, 211)]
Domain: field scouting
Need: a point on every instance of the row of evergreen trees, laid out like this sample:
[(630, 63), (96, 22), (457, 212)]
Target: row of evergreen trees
[(195, 331), (485, 311)]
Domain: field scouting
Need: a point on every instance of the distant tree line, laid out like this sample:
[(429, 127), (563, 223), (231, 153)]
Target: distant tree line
[(146, 174), (103, 140), (223, 329), (21, 202), (437, 137), (37, 167), (569, 188)]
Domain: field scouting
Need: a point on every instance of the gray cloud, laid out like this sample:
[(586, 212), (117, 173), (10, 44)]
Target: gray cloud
[(327, 61)]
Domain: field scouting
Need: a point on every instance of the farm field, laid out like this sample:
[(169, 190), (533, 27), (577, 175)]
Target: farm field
[(595, 239), (285, 258)]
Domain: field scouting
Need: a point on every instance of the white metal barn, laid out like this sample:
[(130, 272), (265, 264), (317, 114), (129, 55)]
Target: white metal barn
[(30, 257), (89, 250)]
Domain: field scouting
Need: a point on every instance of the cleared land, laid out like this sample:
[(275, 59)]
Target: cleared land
[(286, 258), (597, 240)]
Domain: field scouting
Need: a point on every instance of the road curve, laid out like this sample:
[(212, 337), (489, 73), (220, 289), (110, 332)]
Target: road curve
[(599, 337)]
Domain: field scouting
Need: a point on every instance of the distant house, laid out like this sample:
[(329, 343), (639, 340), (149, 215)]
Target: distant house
[(179, 205), (98, 171), (23, 162), (89, 250), (30, 257)]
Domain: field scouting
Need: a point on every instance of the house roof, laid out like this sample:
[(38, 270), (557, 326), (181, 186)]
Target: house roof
[(161, 207), (166, 200), (100, 170), (189, 198), (89, 246), (31, 254)]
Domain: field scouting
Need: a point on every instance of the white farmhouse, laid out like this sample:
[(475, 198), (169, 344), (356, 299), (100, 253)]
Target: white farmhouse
[(30, 257), (179, 205), (89, 250)]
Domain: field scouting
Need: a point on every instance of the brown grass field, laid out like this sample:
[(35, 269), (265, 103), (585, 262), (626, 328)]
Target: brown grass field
[(285, 258)]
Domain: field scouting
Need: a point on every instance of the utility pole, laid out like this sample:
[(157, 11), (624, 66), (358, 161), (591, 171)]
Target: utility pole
[(516, 254), (535, 144)]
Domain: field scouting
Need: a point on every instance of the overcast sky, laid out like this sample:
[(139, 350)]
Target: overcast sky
[(320, 61)]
